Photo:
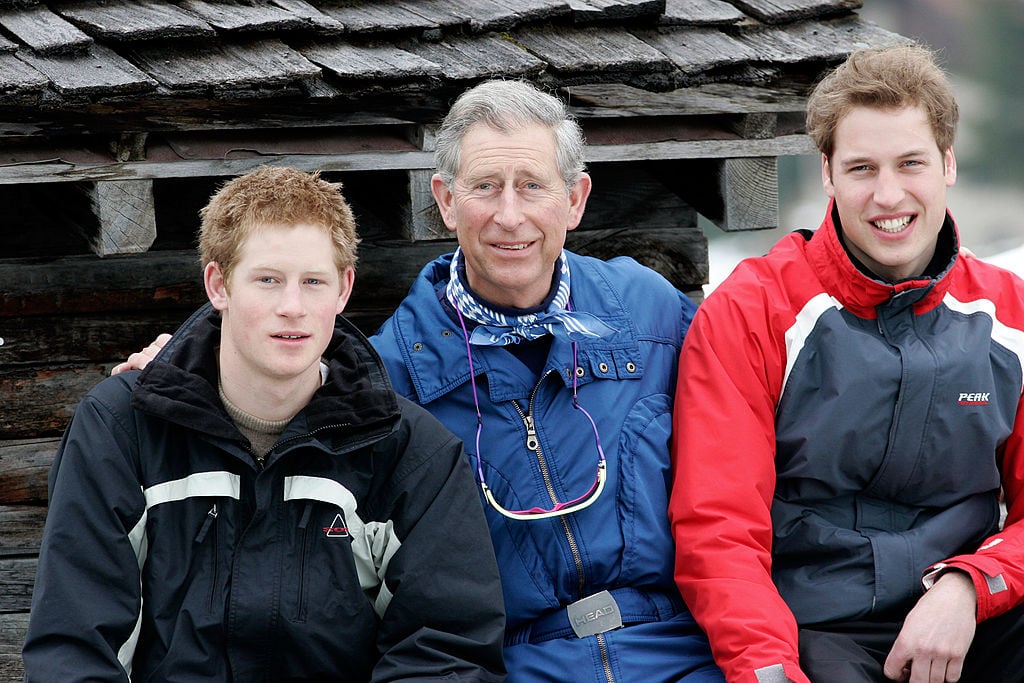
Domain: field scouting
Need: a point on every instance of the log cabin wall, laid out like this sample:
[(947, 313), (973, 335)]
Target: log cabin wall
[(118, 119)]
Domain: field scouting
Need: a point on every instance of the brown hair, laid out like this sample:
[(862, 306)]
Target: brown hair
[(888, 77), (279, 196)]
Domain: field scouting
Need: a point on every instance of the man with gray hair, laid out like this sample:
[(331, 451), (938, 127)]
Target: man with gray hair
[(557, 371)]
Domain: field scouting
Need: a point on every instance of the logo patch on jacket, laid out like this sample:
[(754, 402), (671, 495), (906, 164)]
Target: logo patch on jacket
[(975, 399), (337, 529)]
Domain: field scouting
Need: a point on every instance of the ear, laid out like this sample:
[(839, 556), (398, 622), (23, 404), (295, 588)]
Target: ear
[(826, 177), (348, 278), (578, 200), (949, 162), (216, 286), (444, 199)]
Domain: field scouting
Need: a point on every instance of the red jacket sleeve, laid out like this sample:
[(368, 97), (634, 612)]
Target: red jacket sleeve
[(723, 450)]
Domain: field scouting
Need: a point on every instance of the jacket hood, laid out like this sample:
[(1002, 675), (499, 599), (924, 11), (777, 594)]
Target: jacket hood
[(861, 293), (180, 384)]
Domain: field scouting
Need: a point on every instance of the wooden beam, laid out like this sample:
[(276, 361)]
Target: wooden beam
[(24, 467), (21, 529), (126, 215)]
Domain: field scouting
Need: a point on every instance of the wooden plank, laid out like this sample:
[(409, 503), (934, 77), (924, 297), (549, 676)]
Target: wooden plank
[(44, 31), (585, 11), (695, 51), (592, 49), (735, 194), (13, 628), (126, 214), (500, 15), (804, 41), (422, 219), (21, 526), (616, 100), (784, 11), (438, 13), (362, 16), (17, 575), (679, 255), (24, 467), (63, 171), (379, 62), (475, 57), (700, 13), (311, 15), (41, 401), (135, 20), (18, 79), (253, 15), (259, 63), (99, 70)]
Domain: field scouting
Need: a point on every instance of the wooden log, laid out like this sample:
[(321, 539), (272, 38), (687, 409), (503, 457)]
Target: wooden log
[(17, 576), (21, 529), (41, 401), (24, 467), (12, 635)]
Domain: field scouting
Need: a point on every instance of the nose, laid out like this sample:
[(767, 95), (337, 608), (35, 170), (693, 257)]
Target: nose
[(290, 303), (509, 213), (888, 188)]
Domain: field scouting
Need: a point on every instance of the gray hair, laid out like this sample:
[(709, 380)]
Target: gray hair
[(507, 106)]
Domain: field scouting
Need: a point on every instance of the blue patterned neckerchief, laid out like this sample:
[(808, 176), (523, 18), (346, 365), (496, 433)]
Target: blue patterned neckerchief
[(498, 329)]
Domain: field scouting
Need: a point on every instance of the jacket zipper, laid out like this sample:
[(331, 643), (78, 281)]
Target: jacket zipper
[(533, 444), (209, 525)]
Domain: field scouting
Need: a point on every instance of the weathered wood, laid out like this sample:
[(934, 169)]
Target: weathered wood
[(136, 20), (371, 17), (41, 401), (267, 63), (253, 15), (17, 575), (377, 62), (100, 69), (423, 219), (679, 255), (592, 49), (695, 51), (700, 13), (598, 10), (12, 635), (473, 57), (773, 11), (127, 217), (64, 171), (21, 528), (11, 668), (18, 78), (736, 194), (24, 465), (624, 101), (44, 31)]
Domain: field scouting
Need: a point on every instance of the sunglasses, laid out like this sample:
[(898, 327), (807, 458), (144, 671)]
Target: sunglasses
[(560, 508)]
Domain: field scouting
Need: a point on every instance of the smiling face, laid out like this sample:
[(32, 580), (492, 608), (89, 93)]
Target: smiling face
[(889, 181), (510, 210), (277, 308)]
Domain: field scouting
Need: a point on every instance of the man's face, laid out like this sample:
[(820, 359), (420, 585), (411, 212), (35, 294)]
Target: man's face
[(889, 181), (279, 304), (510, 210)]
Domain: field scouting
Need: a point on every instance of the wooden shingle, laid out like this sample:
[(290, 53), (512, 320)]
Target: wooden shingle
[(252, 64), (100, 69), (814, 40), (485, 56), (599, 10), (372, 16), (591, 49), (785, 11), (44, 31), (498, 15), (700, 13), (253, 15), (18, 78), (697, 50), (368, 61), (134, 20)]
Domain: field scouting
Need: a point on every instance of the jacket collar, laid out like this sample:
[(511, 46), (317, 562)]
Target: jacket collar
[(180, 385), (434, 349), (863, 294)]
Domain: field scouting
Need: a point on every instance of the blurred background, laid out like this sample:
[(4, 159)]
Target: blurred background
[(980, 46)]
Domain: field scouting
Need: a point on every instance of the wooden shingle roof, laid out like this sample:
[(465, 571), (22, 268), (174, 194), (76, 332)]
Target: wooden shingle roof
[(93, 55)]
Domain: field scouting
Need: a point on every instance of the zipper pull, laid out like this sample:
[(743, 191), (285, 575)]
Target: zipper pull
[(531, 434), (211, 516)]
